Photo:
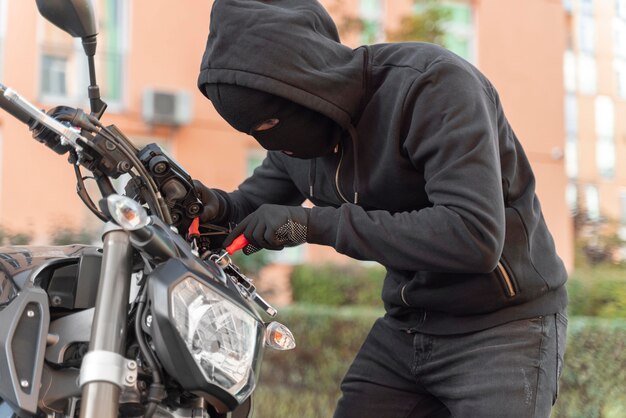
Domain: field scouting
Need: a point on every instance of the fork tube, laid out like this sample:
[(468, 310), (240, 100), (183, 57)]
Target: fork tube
[(108, 332)]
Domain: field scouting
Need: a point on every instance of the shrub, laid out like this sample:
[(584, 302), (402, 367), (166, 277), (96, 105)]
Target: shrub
[(8, 237), (251, 264), (594, 377), (598, 291), (337, 285), (67, 236), (305, 382), (327, 339), (594, 290), (283, 402)]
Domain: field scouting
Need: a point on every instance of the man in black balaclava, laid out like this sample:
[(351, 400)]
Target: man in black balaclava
[(409, 160), (276, 123)]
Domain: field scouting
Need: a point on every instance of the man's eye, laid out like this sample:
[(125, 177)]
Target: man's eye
[(266, 125)]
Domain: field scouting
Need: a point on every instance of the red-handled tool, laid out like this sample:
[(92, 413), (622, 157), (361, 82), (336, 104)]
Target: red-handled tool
[(238, 243), (193, 233), (194, 228)]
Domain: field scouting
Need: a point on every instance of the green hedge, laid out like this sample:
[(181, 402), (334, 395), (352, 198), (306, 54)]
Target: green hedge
[(337, 285), (593, 290), (593, 383), (305, 382), (598, 291)]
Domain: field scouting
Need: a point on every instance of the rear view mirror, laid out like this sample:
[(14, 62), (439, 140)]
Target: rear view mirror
[(75, 17)]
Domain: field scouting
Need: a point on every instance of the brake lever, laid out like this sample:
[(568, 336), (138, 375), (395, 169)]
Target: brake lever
[(243, 283)]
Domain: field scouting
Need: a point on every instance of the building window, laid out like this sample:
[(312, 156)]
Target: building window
[(571, 197), (586, 34), (568, 5), (571, 114), (605, 133), (587, 74), (571, 129), (54, 75), (586, 7), (620, 8), (592, 202), (620, 77), (569, 71), (64, 69), (605, 156), (372, 15), (605, 116), (619, 37), (571, 156), (113, 49), (459, 36)]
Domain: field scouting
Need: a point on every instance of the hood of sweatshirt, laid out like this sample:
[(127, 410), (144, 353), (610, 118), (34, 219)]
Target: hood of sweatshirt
[(288, 48)]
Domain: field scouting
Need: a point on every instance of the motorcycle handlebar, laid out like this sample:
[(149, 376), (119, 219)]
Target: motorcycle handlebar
[(13, 109), (27, 109)]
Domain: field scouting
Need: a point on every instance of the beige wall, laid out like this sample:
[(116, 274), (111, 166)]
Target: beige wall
[(522, 56)]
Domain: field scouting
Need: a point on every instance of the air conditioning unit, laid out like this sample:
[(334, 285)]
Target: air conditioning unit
[(166, 107)]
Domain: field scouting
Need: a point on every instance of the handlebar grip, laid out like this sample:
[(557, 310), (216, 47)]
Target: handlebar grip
[(14, 110), (24, 109)]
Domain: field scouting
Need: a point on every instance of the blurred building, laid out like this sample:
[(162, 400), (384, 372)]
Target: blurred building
[(595, 106), (148, 61)]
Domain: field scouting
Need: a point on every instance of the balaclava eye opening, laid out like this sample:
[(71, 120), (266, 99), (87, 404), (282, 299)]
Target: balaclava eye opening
[(300, 131)]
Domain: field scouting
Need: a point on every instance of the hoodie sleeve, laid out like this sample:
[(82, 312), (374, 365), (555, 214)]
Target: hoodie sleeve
[(451, 134), (269, 183)]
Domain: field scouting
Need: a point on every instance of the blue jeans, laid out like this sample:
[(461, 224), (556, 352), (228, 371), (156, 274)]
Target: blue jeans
[(511, 370)]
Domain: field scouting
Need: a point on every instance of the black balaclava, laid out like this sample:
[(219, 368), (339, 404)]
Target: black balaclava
[(298, 131)]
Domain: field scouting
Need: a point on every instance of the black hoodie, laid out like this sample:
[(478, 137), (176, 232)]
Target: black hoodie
[(429, 180)]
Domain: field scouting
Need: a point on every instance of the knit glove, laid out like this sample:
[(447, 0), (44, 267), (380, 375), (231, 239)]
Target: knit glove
[(273, 227)]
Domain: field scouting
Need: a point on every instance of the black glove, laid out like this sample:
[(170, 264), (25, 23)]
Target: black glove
[(273, 227), (215, 204)]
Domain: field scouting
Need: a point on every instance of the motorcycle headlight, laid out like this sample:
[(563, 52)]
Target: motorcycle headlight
[(206, 336), (220, 335)]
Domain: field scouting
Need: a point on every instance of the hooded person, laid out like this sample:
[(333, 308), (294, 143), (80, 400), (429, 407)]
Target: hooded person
[(407, 156)]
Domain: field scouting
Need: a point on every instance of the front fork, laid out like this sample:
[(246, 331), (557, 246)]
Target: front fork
[(104, 367)]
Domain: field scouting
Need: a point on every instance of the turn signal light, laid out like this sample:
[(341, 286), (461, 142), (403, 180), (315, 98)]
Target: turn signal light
[(278, 337)]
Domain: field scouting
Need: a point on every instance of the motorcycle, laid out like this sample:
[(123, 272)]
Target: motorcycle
[(155, 322)]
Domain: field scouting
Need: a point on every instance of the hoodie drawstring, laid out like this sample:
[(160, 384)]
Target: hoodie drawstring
[(355, 180), (312, 170), (355, 156)]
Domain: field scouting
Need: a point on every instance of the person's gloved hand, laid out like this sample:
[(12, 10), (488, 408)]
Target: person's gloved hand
[(215, 205), (272, 227)]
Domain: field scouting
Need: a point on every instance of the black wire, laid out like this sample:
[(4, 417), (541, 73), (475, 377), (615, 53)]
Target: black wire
[(128, 150), (152, 203), (87, 200), (160, 208), (146, 352), (143, 345)]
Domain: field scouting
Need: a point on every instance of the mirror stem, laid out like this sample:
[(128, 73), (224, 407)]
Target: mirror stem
[(97, 105)]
